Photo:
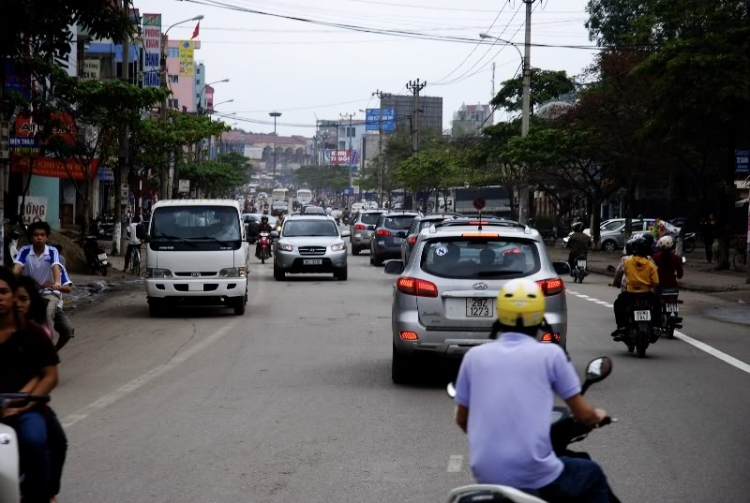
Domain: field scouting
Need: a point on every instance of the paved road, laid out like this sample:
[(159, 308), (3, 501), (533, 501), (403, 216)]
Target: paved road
[(293, 403)]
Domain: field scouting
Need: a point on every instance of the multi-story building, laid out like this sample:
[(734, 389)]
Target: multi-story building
[(469, 118), (200, 87), (431, 116), (182, 83), (291, 151)]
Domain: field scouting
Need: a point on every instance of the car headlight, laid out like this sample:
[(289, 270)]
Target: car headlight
[(284, 247), (232, 272), (159, 273), (338, 247)]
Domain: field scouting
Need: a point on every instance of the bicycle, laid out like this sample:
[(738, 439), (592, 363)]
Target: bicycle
[(135, 262)]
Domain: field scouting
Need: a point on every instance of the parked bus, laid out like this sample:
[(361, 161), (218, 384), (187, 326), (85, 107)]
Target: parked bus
[(304, 196)]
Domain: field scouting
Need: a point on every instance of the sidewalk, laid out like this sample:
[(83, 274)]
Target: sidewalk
[(699, 275)]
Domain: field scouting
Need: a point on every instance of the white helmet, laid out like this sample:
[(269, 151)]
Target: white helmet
[(665, 243)]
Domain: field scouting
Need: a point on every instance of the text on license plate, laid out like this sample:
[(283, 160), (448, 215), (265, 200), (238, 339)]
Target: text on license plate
[(642, 315), (479, 308), (582, 263), (102, 256), (672, 308), (312, 261)]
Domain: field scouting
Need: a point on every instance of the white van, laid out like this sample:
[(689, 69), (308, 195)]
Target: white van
[(278, 195), (197, 254), (304, 196)]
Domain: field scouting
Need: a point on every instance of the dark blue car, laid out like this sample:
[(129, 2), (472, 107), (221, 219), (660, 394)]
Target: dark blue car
[(390, 231)]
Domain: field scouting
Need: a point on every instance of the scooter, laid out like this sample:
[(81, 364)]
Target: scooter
[(564, 431), (96, 257), (264, 252), (10, 476), (670, 311), (580, 269)]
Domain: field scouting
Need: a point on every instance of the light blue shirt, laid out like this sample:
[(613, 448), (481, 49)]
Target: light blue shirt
[(509, 387)]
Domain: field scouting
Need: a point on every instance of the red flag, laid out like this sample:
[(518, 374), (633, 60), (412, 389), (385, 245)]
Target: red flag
[(197, 29)]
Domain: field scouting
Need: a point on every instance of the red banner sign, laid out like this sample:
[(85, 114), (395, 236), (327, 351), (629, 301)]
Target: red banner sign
[(47, 166), (64, 126)]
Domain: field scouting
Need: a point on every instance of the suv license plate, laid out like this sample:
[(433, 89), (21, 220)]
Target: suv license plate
[(479, 308), (312, 261), (642, 315), (672, 308)]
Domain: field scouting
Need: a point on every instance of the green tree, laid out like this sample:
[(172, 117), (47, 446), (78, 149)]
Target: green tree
[(545, 85)]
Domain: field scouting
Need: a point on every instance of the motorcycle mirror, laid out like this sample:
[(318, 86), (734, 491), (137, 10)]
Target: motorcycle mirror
[(451, 390), (598, 369)]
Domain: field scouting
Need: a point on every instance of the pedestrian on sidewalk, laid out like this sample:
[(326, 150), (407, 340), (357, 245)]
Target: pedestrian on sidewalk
[(709, 234), (42, 264), (133, 240)]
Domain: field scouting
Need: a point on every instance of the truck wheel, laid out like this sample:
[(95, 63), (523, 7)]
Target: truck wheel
[(154, 309), (239, 306)]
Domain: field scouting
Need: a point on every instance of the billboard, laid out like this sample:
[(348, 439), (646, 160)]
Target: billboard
[(381, 119), (152, 52), (92, 69), (341, 157), (187, 57)]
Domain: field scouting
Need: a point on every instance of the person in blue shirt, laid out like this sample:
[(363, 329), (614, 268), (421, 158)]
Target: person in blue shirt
[(505, 393)]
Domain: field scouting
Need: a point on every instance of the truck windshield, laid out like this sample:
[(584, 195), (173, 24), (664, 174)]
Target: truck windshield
[(196, 223)]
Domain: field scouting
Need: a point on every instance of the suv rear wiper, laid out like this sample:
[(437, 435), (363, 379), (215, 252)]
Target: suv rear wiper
[(498, 273)]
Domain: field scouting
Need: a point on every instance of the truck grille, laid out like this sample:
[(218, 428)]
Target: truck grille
[(311, 251)]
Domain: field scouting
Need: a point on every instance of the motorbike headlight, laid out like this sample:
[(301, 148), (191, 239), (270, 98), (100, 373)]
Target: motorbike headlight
[(232, 272), (285, 247), (159, 273), (338, 247)]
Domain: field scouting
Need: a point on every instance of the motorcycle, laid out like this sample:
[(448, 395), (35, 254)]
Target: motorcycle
[(96, 257), (688, 243), (264, 247), (642, 330), (580, 269), (10, 476), (670, 311), (564, 431)]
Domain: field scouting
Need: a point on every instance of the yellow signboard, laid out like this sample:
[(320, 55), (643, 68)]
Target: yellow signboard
[(187, 61)]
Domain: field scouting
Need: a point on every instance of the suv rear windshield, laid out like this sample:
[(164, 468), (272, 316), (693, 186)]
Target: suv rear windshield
[(397, 222), (370, 218), (475, 258), (300, 228)]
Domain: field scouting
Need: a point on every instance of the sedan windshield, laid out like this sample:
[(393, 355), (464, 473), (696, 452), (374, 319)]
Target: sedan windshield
[(301, 228), (474, 258)]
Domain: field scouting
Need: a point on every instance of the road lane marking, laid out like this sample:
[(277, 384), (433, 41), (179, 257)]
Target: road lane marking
[(144, 379), (731, 360), (455, 463)]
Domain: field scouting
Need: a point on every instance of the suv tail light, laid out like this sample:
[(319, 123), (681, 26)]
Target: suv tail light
[(360, 227), (418, 287), (412, 240), (383, 232), (551, 286)]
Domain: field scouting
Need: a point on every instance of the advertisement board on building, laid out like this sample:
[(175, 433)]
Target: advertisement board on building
[(742, 162), (341, 157), (92, 69), (152, 52), (187, 55), (380, 119), (105, 174), (34, 209), (16, 82)]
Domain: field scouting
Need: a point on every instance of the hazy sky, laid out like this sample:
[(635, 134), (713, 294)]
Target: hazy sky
[(304, 69)]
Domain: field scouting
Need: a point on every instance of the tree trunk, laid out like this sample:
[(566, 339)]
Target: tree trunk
[(164, 182), (176, 184), (629, 194), (595, 220)]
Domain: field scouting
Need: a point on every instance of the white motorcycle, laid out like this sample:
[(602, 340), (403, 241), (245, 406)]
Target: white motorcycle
[(10, 476)]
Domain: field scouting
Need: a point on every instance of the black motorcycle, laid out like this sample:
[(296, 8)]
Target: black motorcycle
[(580, 269), (565, 430), (642, 329), (670, 311), (96, 256)]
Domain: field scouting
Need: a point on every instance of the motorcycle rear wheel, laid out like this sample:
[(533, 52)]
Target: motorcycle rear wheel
[(642, 344)]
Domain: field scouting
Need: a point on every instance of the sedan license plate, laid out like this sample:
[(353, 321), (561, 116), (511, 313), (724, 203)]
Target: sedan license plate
[(673, 308), (102, 256), (312, 261), (479, 308), (642, 315), (582, 264)]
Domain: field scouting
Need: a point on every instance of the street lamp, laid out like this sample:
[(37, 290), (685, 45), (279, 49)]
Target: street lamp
[(216, 105), (275, 115), (200, 94)]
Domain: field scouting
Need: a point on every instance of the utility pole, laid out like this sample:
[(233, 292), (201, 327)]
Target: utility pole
[(523, 190), (380, 94), (492, 122), (415, 87), (275, 115), (121, 172)]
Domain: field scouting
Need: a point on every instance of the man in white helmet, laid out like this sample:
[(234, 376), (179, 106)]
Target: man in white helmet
[(504, 394)]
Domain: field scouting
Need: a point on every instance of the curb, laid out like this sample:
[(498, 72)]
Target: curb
[(690, 287)]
